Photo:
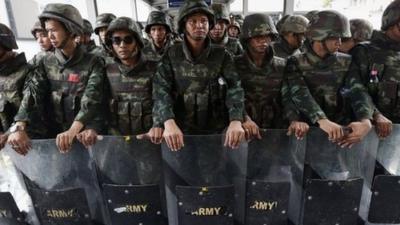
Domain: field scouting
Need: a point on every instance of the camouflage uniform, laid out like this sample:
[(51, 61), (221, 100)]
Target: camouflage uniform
[(103, 20), (262, 85), (317, 85), (150, 51), (377, 65), (129, 90), (91, 47), (202, 94), (231, 44), (72, 86), (293, 24)]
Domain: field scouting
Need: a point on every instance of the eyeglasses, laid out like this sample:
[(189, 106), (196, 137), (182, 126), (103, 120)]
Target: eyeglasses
[(116, 40)]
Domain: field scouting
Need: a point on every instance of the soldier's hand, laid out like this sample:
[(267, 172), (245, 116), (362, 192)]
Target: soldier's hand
[(155, 135), (87, 137), (251, 129), (173, 136), (334, 130), (234, 135), (383, 126), (64, 140), (20, 142), (358, 131), (299, 129)]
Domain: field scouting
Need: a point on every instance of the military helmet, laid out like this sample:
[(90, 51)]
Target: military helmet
[(361, 29), (158, 18), (66, 14), (255, 25), (310, 14), (391, 15), (235, 24), (103, 20), (280, 23), (87, 27), (190, 7), (296, 24), (220, 12), (326, 24), (37, 27), (124, 23), (7, 38)]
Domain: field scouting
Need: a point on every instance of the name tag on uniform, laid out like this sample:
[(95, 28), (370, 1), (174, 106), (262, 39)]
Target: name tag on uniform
[(73, 77)]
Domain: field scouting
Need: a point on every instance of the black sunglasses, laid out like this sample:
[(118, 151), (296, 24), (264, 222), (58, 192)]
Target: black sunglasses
[(127, 40)]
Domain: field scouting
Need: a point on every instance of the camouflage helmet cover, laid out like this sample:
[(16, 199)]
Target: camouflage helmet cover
[(87, 27), (190, 7), (361, 29), (64, 13), (158, 18), (309, 15), (103, 20), (220, 12), (326, 24), (234, 24), (255, 25), (124, 23), (37, 27), (7, 38), (391, 15), (296, 24), (280, 22)]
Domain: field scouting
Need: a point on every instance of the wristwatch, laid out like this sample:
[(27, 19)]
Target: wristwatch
[(15, 127)]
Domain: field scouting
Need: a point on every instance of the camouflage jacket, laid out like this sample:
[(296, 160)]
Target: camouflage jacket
[(231, 44), (36, 58), (266, 102), (74, 88), (92, 48), (129, 95), (283, 50), (202, 94), (152, 53), (319, 90), (377, 66)]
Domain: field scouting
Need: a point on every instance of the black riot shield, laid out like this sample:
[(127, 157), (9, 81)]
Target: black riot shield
[(275, 175), (9, 212), (205, 182), (129, 172), (385, 202), (333, 179), (63, 187)]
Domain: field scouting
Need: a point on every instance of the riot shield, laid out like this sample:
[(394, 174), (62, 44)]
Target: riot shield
[(129, 172), (205, 182), (333, 179), (63, 187), (275, 177), (9, 212), (385, 202)]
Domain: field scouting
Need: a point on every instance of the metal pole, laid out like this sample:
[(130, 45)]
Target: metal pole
[(245, 7), (288, 7)]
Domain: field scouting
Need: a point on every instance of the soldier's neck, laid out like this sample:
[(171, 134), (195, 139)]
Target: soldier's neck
[(257, 58), (69, 49), (196, 47), (130, 62), (319, 49), (160, 44), (393, 34)]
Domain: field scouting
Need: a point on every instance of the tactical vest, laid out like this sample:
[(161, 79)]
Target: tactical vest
[(131, 99), (262, 87), (12, 78), (200, 91), (326, 85)]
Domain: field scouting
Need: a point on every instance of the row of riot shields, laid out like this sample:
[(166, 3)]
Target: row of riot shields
[(277, 180)]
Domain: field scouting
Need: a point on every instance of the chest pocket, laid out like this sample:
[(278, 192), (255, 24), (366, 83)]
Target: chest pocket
[(131, 104)]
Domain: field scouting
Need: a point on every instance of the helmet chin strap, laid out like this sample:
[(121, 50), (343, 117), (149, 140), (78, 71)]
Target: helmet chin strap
[(64, 42)]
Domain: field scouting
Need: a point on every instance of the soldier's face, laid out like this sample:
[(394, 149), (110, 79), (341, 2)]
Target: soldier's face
[(259, 44), (347, 45), (218, 31), (102, 34), (197, 26), (124, 44), (333, 44), (43, 40), (233, 32), (56, 32), (158, 33)]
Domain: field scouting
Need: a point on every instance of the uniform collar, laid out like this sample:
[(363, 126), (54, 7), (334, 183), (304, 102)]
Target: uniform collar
[(75, 59), (266, 62), (202, 56), (127, 71)]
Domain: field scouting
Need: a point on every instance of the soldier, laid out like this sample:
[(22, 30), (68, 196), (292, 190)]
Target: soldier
[(292, 35), (377, 64), (85, 39), (280, 22), (196, 88), (129, 87), (13, 73), (43, 40), (262, 76), (316, 81), (234, 29), (102, 22), (159, 31), (70, 79), (218, 32), (361, 31)]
